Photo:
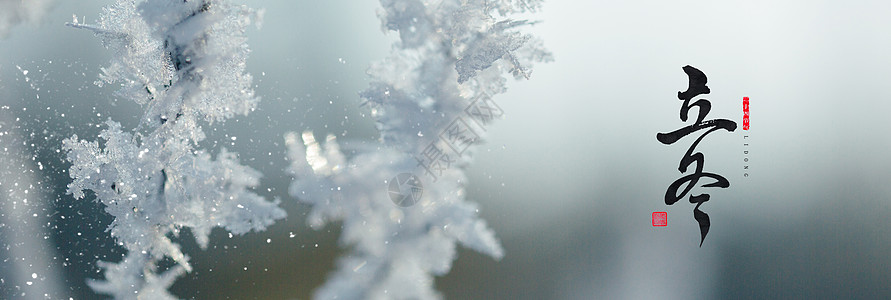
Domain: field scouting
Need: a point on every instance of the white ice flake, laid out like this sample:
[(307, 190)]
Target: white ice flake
[(450, 53), (184, 61)]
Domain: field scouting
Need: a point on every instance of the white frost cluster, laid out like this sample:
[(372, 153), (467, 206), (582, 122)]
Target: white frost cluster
[(184, 61), (450, 52)]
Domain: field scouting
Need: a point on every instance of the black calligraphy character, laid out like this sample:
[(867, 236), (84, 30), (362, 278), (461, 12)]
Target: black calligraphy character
[(697, 86)]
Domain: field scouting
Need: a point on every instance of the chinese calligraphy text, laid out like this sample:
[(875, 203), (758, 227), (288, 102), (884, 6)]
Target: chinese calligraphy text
[(697, 86)]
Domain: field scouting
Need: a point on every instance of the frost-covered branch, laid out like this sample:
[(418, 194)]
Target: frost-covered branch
[(184, 61), (449, 61)]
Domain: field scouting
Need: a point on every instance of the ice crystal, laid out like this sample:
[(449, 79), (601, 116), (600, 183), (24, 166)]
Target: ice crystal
[(450, 53), (184, 61)]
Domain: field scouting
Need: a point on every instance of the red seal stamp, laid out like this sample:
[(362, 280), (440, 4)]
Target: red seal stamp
[(660, 218)]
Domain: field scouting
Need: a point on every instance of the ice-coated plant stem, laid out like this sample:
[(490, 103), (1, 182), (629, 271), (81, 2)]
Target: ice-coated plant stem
[(451, 56), (184, 62)]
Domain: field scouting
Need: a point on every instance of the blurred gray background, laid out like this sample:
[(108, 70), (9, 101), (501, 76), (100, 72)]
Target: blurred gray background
[(568, 179)]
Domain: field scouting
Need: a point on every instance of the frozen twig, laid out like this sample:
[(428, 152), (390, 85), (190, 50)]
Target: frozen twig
[(451, 55), (184, 61)]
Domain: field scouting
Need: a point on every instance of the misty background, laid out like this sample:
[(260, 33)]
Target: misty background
[(568, 179)]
